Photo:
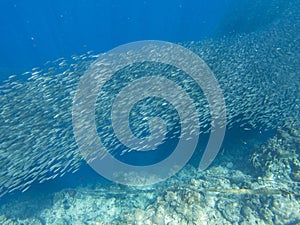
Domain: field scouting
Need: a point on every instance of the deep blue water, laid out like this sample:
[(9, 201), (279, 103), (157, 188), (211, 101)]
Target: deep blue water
[(33, 32)]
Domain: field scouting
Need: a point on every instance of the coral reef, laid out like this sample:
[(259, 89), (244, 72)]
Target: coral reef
[(280, 156), (216, 196)]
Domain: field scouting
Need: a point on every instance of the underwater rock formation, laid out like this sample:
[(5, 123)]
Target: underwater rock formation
[(209, 197), (280, 156)]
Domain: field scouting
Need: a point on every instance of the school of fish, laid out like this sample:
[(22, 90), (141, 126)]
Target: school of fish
[(257, 72)]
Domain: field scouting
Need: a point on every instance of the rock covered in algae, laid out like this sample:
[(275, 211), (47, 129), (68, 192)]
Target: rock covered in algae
[(210, 197), (280, 156)]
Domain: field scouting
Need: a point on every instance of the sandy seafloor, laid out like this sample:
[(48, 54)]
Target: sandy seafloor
[(261, 189)]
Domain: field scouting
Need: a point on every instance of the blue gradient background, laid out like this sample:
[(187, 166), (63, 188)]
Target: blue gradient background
[(35, 31)]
